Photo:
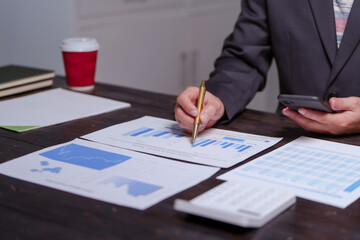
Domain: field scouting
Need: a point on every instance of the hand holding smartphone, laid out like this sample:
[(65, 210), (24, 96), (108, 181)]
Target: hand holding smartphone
[(296, 101)]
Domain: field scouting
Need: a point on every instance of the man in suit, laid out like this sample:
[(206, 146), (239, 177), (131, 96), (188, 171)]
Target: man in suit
[(315, 44)]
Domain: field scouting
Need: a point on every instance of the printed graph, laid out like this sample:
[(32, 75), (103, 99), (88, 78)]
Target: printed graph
[(238, 144), (165, 138), (135, 188), (46, 168), (85, 156), (167, 132)]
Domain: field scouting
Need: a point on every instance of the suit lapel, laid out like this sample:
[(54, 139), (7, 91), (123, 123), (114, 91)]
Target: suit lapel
[(323, 12), (349, 41)]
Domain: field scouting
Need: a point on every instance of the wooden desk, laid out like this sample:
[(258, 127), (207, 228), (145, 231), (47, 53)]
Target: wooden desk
[(30, 211)]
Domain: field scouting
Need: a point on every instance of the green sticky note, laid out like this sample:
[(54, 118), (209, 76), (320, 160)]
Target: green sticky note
[(19, 128)]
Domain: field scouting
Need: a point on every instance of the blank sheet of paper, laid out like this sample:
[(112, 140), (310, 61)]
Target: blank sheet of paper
[(52, 107)]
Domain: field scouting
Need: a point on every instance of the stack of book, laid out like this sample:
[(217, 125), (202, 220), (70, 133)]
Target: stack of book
[(17, 79)]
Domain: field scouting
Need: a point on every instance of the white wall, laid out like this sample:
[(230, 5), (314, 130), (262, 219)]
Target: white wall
[(32, 30)]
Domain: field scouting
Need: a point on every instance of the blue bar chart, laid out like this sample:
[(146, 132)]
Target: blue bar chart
[(214, 147), (225, 142), (237, 144), (167, 132)]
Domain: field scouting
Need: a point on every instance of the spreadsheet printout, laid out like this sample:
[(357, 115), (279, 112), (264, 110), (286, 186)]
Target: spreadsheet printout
[(318, 170), (214, 147)]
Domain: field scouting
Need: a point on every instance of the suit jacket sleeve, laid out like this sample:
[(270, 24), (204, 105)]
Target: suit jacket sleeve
[(241, 69)]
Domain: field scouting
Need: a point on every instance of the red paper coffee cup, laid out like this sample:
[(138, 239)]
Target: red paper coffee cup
[(79, 55)]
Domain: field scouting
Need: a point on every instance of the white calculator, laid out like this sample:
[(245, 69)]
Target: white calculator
[(239, 203)]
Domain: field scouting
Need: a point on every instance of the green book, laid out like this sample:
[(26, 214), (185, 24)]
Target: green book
[(16, 79), (15, 76)]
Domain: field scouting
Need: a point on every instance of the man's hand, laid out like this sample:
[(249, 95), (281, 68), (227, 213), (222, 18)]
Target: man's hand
[(345, 121), (185, 109)]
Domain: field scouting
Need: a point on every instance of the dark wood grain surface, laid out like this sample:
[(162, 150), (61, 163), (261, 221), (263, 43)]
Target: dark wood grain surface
[(30, 211)]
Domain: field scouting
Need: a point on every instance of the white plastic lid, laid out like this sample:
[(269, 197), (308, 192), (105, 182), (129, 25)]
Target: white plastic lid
[(79, 45)]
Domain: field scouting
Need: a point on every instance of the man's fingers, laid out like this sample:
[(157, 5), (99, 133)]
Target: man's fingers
[(315, 115), (187, 100), (344, 104), (184, 120), (213, 110), (186, 111), (304, 122)]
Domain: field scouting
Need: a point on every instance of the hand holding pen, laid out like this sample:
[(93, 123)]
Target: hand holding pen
[(199, 106), (186, 110)]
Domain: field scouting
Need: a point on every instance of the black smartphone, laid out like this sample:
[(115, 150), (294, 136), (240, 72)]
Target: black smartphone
[(295, 101)]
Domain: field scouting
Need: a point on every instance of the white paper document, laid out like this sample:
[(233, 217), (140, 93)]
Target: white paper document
[(318, 170), (52, 107), (163, 137), (106, 173)]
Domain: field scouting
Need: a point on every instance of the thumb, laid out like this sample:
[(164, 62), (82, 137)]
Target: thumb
[(344, 104)]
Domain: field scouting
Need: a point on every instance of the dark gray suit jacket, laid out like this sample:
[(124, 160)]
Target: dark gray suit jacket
[(300, 35)]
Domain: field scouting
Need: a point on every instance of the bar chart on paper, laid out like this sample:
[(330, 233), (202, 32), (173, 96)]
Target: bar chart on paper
[(163, 137), (236, 144)]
